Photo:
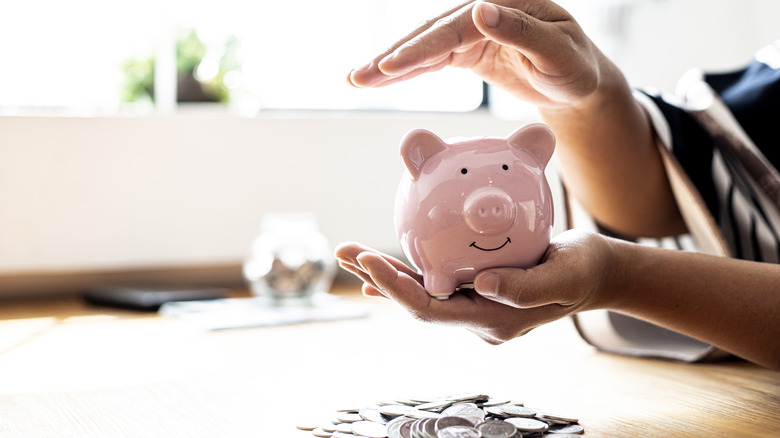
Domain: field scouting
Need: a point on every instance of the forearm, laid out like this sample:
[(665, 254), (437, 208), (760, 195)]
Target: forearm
[(729, 303), (609, 159)]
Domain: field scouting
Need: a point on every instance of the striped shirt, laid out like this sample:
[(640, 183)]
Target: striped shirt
[(748, 220)]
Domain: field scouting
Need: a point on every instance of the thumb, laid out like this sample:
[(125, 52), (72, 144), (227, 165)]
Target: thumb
[(514, 287)]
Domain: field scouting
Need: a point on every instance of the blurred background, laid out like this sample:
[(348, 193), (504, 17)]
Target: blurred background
[(156, 134)]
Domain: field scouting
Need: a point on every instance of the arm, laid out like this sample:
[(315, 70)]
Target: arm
[(732, 304), (537, 51)]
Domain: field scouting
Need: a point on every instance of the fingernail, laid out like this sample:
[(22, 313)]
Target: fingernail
[(486, 284), (489, 14)]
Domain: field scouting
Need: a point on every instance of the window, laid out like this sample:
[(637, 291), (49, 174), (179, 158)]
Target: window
[(75, 55)]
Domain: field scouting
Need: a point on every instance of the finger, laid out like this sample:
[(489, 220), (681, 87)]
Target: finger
[(348, 253), (356, 271), (530, 29), (461, 309), (520, 288), (389, 80), (370, 74), (371, 291), (435, 44)]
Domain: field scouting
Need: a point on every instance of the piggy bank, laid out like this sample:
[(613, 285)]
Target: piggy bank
[(473, 204)]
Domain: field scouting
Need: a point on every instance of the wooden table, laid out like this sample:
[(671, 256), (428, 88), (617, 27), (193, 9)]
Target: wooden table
[(71, 369)]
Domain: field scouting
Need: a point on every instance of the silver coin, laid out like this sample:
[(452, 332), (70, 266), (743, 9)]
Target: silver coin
[(393, 411), (418, 428), (428, 427), (394, 426), (348, 417), (568, 429), (372, 413), (528, 424), (468, 396), (443, 422), (516, 411), (496, 402), (407, 402), (436, 405), (405, 431), (556, 418), (459, 432), (419, 415), (464, 409), (344, 428), (497, 429), (321, 433), (369, 429)]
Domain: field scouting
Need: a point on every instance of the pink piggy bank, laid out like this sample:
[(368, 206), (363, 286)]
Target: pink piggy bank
[(474, 204)]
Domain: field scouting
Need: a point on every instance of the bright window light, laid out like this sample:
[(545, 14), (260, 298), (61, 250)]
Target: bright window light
[(289, 55)]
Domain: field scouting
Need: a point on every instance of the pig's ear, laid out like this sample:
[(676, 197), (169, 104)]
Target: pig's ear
[(536, 138), (417, 147)]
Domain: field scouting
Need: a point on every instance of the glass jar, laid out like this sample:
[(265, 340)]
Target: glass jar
[(290, 261)]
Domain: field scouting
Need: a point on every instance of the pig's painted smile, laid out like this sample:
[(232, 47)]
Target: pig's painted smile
[(474, 244)]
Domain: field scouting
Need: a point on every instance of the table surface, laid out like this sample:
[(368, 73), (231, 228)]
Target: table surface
[(72, 369)]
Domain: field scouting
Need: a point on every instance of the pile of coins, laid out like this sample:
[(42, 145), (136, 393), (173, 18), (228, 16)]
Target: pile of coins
[(454, 416)]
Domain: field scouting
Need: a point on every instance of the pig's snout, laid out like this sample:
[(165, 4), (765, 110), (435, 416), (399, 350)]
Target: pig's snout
[(489, 210)]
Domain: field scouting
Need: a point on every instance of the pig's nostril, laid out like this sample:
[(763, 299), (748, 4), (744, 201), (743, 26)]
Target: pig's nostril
[(489, 211)]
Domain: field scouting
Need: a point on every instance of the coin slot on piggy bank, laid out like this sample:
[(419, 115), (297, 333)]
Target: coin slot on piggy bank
[(474, 204)]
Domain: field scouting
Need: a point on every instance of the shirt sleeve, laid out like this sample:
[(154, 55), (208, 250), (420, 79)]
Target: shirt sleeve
[(686, 139)]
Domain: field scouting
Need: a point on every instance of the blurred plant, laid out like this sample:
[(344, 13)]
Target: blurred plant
[(203, 73)]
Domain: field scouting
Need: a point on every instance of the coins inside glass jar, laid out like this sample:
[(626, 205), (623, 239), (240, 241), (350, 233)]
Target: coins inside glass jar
[(465, 415)]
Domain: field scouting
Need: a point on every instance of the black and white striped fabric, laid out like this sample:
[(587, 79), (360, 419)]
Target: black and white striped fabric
[(724, 132), (747, 217)]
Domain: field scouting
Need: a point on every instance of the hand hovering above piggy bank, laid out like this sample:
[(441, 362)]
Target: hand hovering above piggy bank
[(480, 203)]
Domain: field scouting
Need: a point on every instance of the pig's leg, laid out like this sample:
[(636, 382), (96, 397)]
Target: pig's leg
[(439, 286)]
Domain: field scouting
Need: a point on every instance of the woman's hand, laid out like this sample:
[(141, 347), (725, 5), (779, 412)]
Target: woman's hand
[(532, 48), (578, 272)]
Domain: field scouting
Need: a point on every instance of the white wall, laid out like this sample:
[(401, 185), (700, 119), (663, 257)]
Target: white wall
[(105, 193), (117, 192)]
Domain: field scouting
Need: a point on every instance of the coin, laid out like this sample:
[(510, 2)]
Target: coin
[(435, 405), (468, 396), (496, 402), (568, 429), (348, 417), (443, 422), (321, 433), (472, 415), (559, 418), (406, 429), (369, 429), (393, 411), (497, 429), (516, 411), (419, 414), (344, 428), (394, 426), (459, 432), (464, 409), (528, 424), (372, 413), (428, 427)]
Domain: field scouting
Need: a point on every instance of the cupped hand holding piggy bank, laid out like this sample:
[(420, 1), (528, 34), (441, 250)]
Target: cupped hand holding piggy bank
[(481, 203)]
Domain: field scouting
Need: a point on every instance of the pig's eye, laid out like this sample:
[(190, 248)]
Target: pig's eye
[(464, 171), (505, 167)]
